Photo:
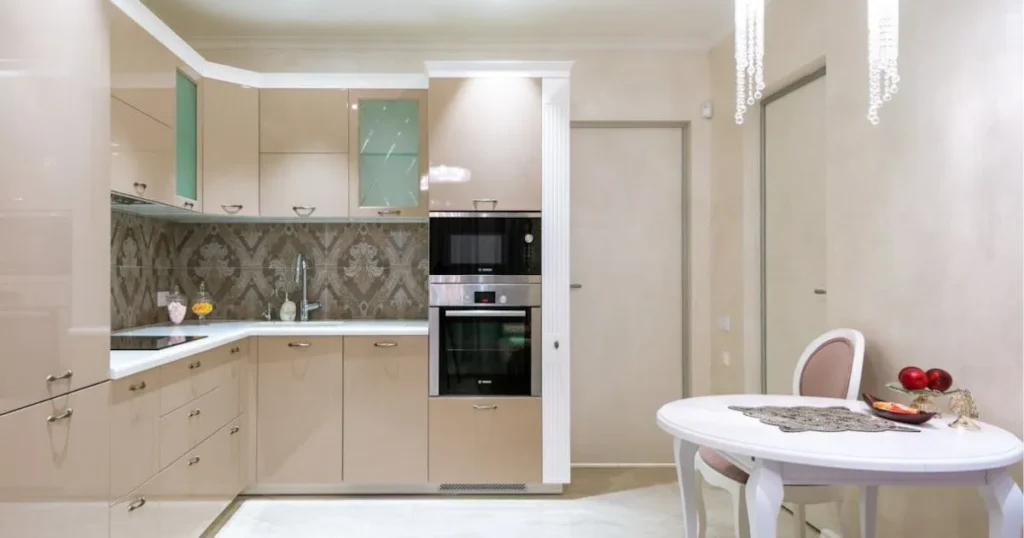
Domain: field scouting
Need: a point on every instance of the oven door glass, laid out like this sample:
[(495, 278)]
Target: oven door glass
[(485, 352), (485, 246)]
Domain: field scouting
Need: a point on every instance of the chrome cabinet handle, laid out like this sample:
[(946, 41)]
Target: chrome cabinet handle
[(235, 349), (492, 201), (231, 209), (496, 313), (140, 187), (138, 387), (299, 344), (195, 365), (485, 407), (234, 430), (386, 212), (189, 205), (819, 291), (66, 375), (66, 414), (193, 460), (304, 210), (575, 286), (194, 413), (386, 344), (136, 504)]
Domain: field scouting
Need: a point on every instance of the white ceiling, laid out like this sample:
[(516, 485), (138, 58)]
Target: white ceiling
[(570, 23)]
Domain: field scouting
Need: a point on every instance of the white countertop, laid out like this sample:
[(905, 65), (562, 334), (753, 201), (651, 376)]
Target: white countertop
[(126, 363)]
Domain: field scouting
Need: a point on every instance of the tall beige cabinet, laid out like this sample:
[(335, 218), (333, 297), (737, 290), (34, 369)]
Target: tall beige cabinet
[(54, 235)]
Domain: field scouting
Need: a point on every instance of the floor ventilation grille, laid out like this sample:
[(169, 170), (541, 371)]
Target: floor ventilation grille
[(481, 488)]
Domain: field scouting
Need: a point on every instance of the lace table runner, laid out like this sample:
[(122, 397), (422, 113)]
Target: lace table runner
[(820, 419)]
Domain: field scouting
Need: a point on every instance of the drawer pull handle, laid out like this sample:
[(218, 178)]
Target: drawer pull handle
[(189, 205), (299, 344), (235, 349), (234, 430), (193, 460), (140, 187), (492, 201), (194, 413), (386, 212), (195, 365), (231, 209), (66, 414), (304, 210), (66, 375), (140, 386), (135, 505), (485, 407), (386, 344)]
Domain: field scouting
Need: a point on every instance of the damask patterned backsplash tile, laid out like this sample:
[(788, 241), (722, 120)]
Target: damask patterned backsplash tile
[(356, 270), (141, 263)]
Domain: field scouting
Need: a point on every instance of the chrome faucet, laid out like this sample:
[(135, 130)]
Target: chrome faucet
[(302, 275)]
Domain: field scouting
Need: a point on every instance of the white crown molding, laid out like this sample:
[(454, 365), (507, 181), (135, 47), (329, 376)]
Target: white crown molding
[(145, 18), (410, 45), (353, 81), (464, 69)]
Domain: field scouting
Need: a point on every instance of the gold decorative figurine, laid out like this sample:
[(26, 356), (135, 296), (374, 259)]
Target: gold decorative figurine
[(962, 403)]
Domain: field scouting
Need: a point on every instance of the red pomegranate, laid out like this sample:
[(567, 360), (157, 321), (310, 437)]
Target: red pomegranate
[(939, 379), (913, 378)]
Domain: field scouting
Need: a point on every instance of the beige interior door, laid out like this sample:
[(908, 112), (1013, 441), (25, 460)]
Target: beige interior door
[(627, 315), (794, 234)]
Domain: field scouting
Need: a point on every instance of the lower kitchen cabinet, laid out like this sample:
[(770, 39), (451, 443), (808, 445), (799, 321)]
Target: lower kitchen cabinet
[(55, 467), (134, 410), (485, 440), (299, 410), (385, 427)]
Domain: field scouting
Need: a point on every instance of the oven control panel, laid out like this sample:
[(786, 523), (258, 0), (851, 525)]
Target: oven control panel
[(487, 297)]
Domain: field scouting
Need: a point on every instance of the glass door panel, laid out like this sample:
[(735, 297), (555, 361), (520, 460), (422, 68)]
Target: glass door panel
[(485, 352), (186, 137)]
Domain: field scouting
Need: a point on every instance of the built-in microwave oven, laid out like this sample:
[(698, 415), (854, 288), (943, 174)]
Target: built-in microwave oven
[(485, 247)]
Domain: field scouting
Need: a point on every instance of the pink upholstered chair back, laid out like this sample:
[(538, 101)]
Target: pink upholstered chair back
[(831, 366)]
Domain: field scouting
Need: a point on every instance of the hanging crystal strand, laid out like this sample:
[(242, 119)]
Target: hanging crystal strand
[(749, 45), (759, 49), (883, 54), (740, 53)]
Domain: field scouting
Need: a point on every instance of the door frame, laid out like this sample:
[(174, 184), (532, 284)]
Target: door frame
[(762, 180), (686, 149)]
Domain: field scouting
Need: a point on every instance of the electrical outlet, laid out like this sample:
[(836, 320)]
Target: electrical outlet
[(162, 298)]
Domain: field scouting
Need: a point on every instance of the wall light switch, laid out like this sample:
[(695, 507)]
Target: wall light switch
[(162, 298), (723, 323)]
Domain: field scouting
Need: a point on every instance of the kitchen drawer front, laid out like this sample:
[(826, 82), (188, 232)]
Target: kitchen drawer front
[(485, 440), (134, 410), (191, 377), (219, 465), (55, 472), (385, 427), (187, 426), (136, 515)]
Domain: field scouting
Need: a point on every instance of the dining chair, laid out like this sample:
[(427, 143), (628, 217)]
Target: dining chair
[(831, 367)]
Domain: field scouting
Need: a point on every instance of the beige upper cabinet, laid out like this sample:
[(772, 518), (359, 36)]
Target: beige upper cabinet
[(388, 153), (231, 149), (141, 69), (141, 154), (304, 185), (299, 410), (492, 128), (385, 409), (304, 121), (485, 440)]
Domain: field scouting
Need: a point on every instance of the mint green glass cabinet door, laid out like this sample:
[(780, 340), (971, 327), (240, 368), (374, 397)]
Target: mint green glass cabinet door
[(389, 153), (186, 138)]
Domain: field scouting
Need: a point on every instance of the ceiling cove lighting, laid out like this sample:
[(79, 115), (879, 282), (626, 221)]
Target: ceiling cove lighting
[(749, 54), (883, 54)]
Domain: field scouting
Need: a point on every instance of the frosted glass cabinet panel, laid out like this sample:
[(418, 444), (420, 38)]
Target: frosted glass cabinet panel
[(388, 157)]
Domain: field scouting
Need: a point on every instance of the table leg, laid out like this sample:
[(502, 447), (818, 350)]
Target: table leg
[(868, 511), (1005, 505), (687, 473), (764, 499)]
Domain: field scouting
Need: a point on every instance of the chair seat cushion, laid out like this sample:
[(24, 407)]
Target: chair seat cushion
[(718, 462)]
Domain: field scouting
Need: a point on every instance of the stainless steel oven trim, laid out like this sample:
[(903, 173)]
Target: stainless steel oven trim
[(485, 314), (434, 342), (517, 295), (485, 279), (536, 345), (483, 214)]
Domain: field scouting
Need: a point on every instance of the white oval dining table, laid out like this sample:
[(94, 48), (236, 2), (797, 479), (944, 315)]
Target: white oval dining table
[(937, 455)]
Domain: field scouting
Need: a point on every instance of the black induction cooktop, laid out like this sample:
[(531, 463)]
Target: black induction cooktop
[(148, 343)]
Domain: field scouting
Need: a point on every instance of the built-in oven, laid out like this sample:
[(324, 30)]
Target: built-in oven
[(485, 247), (485, 340)]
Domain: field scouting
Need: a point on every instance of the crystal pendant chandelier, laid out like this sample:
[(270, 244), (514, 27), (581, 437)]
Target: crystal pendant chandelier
[(883, 54), (749, 54)]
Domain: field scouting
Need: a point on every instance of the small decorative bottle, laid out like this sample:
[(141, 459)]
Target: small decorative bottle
[(203, 303), (176, 308), (287, 309)]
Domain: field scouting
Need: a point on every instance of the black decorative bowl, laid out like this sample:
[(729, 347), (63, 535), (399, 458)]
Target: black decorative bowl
[(902, 418)]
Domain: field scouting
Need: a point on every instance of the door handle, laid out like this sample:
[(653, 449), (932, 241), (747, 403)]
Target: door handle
[(820, 291), (575, 286)]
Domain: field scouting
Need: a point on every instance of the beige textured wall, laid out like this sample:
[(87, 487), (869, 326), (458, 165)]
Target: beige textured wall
[(924, 212), (606, 86)]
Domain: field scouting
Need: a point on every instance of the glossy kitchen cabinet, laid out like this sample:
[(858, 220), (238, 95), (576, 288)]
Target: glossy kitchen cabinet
[(385, 427), (142, 70), (492, 128), (231, 149), (485, 440), (55, 467), (54, 204), (388, 153), (186, 140), (304, 184), (303, 121), (141, 154), (299, 410), (134, 410)]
